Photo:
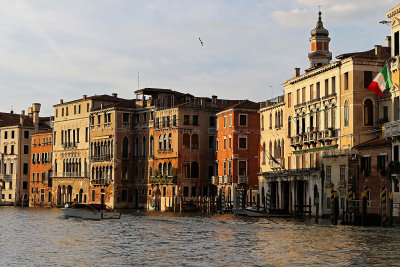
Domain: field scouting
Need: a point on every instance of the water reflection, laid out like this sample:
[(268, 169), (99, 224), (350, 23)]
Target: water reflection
[(46, 237)]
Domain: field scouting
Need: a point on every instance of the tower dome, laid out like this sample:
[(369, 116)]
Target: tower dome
[(319, 40)]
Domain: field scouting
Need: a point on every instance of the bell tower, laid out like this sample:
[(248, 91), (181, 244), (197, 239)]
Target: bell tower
[(319, 40)]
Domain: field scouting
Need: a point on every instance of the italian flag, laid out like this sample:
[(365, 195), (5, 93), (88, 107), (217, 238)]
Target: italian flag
[(381, 82)]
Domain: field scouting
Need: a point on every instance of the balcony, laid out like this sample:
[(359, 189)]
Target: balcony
[(69, 145), (163, 180), (296, 141), (276, 165), (6, 177), (243, 179), (99, 158), (71, 175), (227, 179), (329, 96), (99, 182), (392, 129), (338, 153)]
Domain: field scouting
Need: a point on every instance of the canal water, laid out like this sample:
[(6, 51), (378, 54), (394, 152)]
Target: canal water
[(35, 236)]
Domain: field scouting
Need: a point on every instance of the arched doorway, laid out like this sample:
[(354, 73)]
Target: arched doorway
[(157, 199), (59, 200), (69, 193), (80, 195)]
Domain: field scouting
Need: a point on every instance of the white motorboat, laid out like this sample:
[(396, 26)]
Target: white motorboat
[(89, 211)]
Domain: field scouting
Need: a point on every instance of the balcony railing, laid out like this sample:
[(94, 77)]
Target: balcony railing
[(6, 177), (101, 181), (338, 153), (163, 180), (227, 179), (280, 162), (98, 158), (69, 145), (71, 175), (243, 179), (392, 129)]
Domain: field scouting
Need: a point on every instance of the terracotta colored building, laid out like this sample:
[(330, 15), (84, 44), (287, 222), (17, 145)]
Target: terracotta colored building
[(40, 170), (237, 149)]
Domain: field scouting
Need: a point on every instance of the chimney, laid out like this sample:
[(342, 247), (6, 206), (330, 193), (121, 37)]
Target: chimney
[(389, 41), (115, 95), (35, 115), (296, 72), (378, 51), (23, 112), (61, 101), (30, 112), (214, 99), (21, 120), (84, 97)]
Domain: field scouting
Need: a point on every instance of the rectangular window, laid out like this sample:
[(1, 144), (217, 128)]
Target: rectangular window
[(328, 174), (5, 149), (26, 149), (328, 203), (62, 112), (211, 141), (24, 185), (12, 134), (26, 134), (230, 167), (168, 121), (396, 44), (342, 172), (318, 93), (311, 92), (93, 195), (298, 96), (77, 135), (385, 113), (230, 120), (79, 109), (224, 168), (230, 142), (124, 195), (224, 143), (41, 195), (12, 149), (185, 191), (367, 78), (25, 168), (346, 81), (66, 111), (195, 120), (366, 165), (86, 135), (289, 100), (33, 178), (186, 120), (224, 121), (303, 95), (212, 121), (5, 135), (10, 185), (56, 113), (396, 153), (333, 84), (243, 142), (74, 110), (381, 164), (242, 119), (174, 120), (87, 107), (242, 168), (125, 117)]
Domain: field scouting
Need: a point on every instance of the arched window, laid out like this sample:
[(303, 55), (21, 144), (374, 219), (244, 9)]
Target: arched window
[(165, 170), (186, 169), (195, 141), (170, 141), (165, 141), (136, 146), (160, 142), (289, 126), (262, 122), (270, 120), (169, 168), (160, 170), (346, 113), (195, 169), (186, 141), (151, 146), (125, 147), (368, 113), (270, 148)]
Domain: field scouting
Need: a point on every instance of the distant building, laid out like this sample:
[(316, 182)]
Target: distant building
[(41, 169), (15, 133)]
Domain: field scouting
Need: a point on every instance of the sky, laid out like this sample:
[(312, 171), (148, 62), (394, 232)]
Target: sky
[(52, 50)]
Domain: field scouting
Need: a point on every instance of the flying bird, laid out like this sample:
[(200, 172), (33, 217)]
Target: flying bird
[(201, 42)]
